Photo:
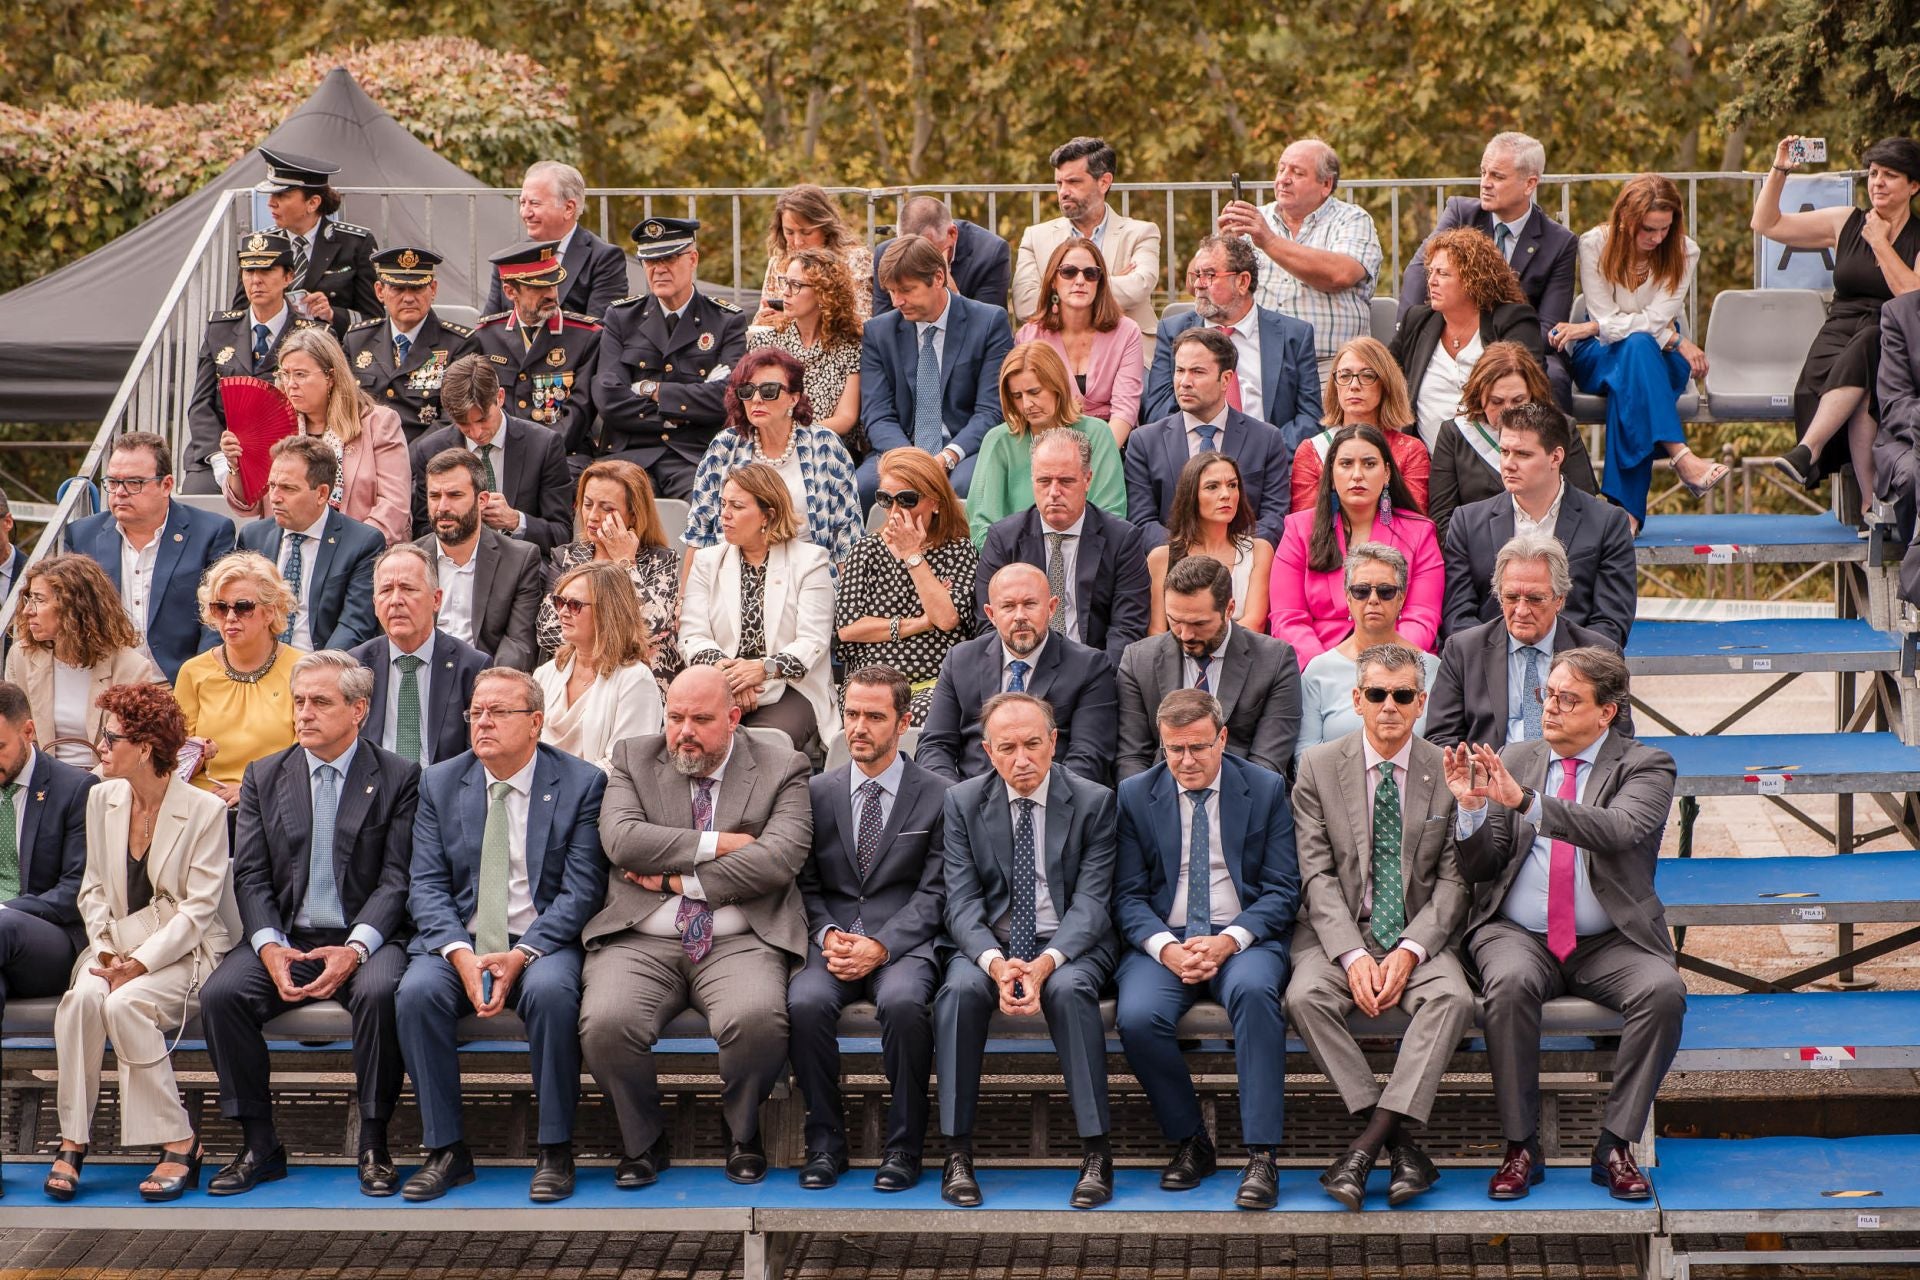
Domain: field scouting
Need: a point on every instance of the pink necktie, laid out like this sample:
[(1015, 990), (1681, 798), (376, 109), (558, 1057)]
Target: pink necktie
[(1560, 865), (1233, 376)]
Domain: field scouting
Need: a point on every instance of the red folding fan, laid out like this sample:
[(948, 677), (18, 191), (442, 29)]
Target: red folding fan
[(259, 414)]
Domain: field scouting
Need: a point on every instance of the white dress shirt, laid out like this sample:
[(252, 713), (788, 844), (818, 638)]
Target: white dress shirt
[(1244, 333), (1524, 523), (1373, 761), (136, 580), (309, 558), (1223, 899), (1437, 398), (423, 675), (1526, 902), (520, 909), (727, 921), (1046, 917), (457, 603)]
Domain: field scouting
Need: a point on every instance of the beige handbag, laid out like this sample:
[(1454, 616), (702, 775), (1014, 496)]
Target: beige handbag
[(128, 934)]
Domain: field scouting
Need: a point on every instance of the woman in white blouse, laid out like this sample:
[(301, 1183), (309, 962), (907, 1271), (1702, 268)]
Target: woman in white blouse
[(71, 643), (759, 606), (1635, 274), (599, 687)]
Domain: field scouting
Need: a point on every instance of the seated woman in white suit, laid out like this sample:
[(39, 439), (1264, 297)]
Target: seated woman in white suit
[(599, 687), (759, 605)]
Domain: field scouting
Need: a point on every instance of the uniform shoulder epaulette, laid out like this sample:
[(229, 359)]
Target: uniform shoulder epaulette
[(374, 323), (581, 318), (460, 329), (627, 302), (350, 229), (498, 317), (218, 316), (724, 305)]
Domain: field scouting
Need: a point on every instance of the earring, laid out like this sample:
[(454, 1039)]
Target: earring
[(1054, 300)]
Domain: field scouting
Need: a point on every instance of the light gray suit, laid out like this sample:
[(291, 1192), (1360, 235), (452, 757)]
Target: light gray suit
[(637, 981), (1617, 829), (1333, 828), (1259, 687)]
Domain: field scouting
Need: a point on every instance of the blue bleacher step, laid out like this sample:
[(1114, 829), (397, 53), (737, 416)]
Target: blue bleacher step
[(1747, 539), (1775, 645), (1801, 1030), (1856, 887), (1790, 764), (1798, 1184)]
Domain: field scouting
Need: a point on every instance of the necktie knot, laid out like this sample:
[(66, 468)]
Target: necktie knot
[(870, 790), (1206, 431), (402, 344), (409, 663), (498, 792), (296, 539), (1502, 237), (1199, 797), (1386, 771), (1025, 806)]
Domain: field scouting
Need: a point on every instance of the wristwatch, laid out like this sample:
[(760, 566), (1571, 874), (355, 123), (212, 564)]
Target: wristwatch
[(914, 561), (771, 667), (527, 951), (359, 948), (1527, 796), (648, 388)]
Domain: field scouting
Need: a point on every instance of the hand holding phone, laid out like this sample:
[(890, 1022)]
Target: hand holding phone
[(1239, 192), (1807, 151), (486, 986)]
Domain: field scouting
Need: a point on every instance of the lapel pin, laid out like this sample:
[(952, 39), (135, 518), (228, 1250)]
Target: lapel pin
[(547, 799), (369, 790), (39, 797), (179, 537)]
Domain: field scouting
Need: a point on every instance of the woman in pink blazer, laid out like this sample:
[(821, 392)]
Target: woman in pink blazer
[(1079, 318), (1362, 498), (375, 484)]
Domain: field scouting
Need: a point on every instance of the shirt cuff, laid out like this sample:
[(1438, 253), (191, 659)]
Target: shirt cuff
[(367, 936), (1535, 811), (1241, 937), (447, 951), (709, 848), (1158, 943), (1467, 821), (987, 958), (1346, 958), (820, 938), (1059, 957), (1419, 952), (261, 937), (520, 529), (690, 887)]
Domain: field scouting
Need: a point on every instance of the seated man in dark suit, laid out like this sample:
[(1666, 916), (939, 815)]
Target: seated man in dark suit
[(320, 875), (1559, 838), (979, 262), (1096, 564), (1204, 817), (1022, 654), (422, 677), (1029, 854), (1256, 677), (1598, 536), (1275, 376), (499, 925), (325, 557), (1544, 254), (929, 369), (1489, 686), (1204, 363), (528, 494), (154, 549), (553, 195), (1896, 448), (874, 893), (490, 584)]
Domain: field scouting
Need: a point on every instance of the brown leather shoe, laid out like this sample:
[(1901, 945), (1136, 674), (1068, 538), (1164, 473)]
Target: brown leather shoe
[(1621, 1176), (1520, 1173)]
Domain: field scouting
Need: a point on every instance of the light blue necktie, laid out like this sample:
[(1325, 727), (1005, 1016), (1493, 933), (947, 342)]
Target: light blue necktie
[(323, 891), (928, 432), (1199, 870), (401, 345), (1530, 707), (1017, 676), (296, 567)]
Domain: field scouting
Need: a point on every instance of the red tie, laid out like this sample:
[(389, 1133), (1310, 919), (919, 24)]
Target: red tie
[(1560, 878), (1233, 375)]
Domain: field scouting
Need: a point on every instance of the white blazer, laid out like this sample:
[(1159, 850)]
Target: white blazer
[(799, 617), (1127, 241), (625, 704), (188, 860)]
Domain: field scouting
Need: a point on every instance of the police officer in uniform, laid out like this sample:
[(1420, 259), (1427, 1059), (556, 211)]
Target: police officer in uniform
[(243, 343), (665, 355), (400, 358), (545, 356), (332, 260)]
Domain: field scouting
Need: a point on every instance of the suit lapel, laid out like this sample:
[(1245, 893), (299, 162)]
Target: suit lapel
[(294, 802), (1165, 801), (1527, 249), (34, 798), (999, 827), (1233, 827), (575, 262), (380, 663), (357, 792), (1040, 680), (1272, 343), (1498, 697), (546, 784), (1088, 560), (166, 557), (676, 793), (168, 834), (486, 558), (322, 562), (685, 329), (119, 819), (440, 689), (736, 788), (954, 344), (1353, 776), (1233, 669), (1566, 527), (844, 832), (779, 569)]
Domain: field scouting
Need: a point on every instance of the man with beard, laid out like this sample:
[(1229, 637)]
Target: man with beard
[(546, 356), (707, 827), (490, 584), (1022, 654)]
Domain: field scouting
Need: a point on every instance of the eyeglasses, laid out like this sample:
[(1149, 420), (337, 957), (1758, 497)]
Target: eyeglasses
[(1071, 272), (1534, 598), (1387, 592), (129, 484), (1202, 279), (112, 739), (294, 377), (33, 600), (749, 391), (787, 284), (1558, 701), (1401, 697), (567, 606), (907, 499), (1355, 377), (1198, 749), (233, 609), (481, 715)]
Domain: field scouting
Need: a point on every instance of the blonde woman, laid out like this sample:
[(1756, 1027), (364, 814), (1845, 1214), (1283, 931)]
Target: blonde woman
[(238, 696), (1366, 388), (599, 689), (71, 643), (1037, 395)]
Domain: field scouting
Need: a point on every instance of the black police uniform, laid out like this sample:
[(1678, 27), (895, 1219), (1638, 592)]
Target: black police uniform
[(410, 387), (551, 381), (340, 261)]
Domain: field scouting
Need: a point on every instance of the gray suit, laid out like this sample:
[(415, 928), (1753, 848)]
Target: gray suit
[(508, 582), (1078, 863), (1616, 828), (636, 981), (1333, 828), (1896, 449), (1259, 686), (1470, 694)]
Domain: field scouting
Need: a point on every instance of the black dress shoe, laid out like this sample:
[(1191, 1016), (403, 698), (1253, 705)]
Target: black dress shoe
[(246, 1171), (957, 1185), (378, 1177), (1096, 1181), (445, 1169), (1192, 1164), (552, 1174), (822, 1170), (1346, 1178), (898, 1171), (1259, 1183), (1413, 1173), (746, 1162), (643, 1170)]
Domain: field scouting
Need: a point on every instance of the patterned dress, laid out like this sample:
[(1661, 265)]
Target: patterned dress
[(656, 581), (873, 584)]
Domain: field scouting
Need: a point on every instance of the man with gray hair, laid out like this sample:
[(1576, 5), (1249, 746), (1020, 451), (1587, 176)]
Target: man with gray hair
[(321, 844), (553, 195), (1319, 254), (979, 263), (422, 677), (1544, 254)]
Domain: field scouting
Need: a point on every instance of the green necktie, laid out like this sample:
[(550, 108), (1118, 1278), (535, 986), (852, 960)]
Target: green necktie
[(496, 858), (9, 844), (486, 461), (1389, 894), (406, 723)]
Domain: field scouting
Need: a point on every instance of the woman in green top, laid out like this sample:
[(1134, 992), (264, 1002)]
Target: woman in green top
[(1037, 395)]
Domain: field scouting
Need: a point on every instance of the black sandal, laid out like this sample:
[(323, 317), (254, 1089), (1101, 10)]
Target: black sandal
[(66, 1187), (173, 1188)]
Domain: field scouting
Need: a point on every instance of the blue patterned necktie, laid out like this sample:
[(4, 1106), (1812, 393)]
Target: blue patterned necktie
[(401, 345), (323, 890), (296, 567), (1017, 676), (1389, 893), (1023, 925), (1206, 431), (1530, 706), (928, 432), (866, 846), (262, 344), (693, 918), (1199, 870)]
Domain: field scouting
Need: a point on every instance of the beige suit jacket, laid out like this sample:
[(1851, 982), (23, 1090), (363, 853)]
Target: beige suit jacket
[(31, 667), (187, 860), (1127, 242)]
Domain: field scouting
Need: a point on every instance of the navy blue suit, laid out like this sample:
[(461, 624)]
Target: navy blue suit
[(190, 541), (976, 341), (1110, 574), (455, 664), (1289, 376), (1157, 452), (567, 876), (1256, 838), (1076, 681), (340, 568), (982, 268), (40, 931)]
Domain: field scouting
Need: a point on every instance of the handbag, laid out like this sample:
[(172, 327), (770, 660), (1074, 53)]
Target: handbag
[(127, 935)]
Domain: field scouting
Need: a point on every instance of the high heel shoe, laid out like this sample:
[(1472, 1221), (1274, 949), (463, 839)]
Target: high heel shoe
[(173, 1188), (59, 1186)]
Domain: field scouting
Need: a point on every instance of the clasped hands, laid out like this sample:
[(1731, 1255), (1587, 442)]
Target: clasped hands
[(1199, 959), (1377, 985), (338, 963), (117, 970), (1028, 976), (852, 956)]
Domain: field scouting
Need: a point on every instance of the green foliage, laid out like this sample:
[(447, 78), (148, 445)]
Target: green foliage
[(1848, 68)]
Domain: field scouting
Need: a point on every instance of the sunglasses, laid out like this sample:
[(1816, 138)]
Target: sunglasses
[(761, 390), (906, 499), (1401, 697), (1071, 272), (238, 609), (568, 606), (1385, 591), (113, 739)]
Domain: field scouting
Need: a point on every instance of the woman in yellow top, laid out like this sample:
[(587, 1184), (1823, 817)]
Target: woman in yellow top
[(1037, 395), (238, 695)]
